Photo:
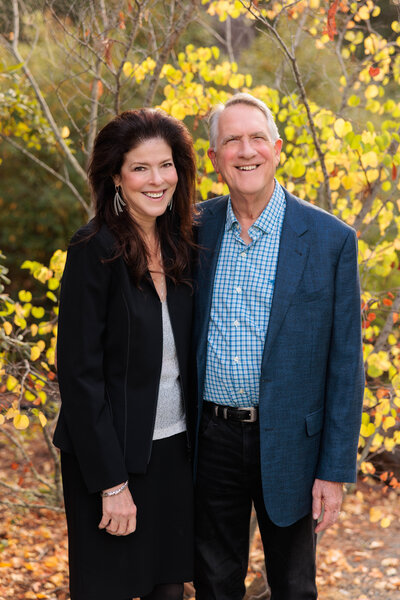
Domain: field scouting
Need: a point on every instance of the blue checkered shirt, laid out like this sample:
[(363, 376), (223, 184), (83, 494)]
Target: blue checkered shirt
[(241, 305)]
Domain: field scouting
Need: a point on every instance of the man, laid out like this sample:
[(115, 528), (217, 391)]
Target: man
[(279, 362)]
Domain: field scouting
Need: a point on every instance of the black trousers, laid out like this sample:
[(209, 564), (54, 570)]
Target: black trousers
[(228, 481)]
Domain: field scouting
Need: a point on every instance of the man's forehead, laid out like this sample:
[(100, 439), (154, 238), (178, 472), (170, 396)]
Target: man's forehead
[(240, 119)]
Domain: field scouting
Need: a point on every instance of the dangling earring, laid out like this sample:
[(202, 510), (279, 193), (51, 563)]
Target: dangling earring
[(170, 203), (118, 201)]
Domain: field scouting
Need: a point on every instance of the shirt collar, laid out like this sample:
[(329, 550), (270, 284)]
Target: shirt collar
[(270, 216)]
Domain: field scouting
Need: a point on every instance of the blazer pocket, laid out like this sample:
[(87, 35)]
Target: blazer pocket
[(314, 422), (304, 298)]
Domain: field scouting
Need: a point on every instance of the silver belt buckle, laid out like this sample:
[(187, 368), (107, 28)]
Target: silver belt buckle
[(253, 414)]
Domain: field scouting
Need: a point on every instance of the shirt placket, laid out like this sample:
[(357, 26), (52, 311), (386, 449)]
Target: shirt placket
[(236, 325)]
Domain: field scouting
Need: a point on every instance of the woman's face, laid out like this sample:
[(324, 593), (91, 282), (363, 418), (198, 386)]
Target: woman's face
[(148, 180)]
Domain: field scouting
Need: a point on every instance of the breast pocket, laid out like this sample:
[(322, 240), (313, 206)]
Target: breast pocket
[(306, 297)]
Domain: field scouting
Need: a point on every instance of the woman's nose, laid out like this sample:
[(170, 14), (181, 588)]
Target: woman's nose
[(156, 177)]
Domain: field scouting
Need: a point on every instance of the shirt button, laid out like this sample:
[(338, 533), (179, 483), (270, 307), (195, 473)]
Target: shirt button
[(241, 391), (236, 323), (236, 359), (239, 289), (243, 254)]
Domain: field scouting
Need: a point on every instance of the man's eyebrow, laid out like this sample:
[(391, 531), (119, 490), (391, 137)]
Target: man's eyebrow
[(232, 136), (237, 136)]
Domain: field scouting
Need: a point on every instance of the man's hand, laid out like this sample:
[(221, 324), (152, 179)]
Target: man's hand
[(119, 513), (328, 494)]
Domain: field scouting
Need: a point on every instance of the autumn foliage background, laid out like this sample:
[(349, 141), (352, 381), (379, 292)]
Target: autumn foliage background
[(329, 71)]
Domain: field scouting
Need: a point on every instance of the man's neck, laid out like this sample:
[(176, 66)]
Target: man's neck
[(247, 209)]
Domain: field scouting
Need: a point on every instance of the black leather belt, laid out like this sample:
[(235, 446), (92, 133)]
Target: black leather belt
[(248, 414)]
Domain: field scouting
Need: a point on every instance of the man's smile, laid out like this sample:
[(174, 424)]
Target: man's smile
[(247, 167)]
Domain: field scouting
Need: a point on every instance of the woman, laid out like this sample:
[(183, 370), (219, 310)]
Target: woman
[(123, 348)]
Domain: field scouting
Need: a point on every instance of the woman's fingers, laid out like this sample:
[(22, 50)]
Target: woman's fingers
[(119, 514)]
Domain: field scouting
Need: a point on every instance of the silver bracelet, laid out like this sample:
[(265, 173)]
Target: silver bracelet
[(115, 492)]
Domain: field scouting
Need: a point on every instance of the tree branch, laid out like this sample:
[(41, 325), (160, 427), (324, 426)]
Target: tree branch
[(173, 34), (381, 340), (293, 62), (46, 167), (45, 107)]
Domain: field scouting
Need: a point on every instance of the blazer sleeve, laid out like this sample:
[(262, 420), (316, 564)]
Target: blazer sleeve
[(345, 375), (81, 329)]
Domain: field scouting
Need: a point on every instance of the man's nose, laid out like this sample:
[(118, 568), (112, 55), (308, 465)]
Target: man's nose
[(246, 149)]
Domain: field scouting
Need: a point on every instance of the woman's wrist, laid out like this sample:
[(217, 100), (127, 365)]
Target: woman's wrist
[(114, 491)]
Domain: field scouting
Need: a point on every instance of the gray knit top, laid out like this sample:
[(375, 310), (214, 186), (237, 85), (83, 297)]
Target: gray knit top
[(170, 415)]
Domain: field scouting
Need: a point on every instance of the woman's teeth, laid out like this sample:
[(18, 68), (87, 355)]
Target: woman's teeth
[(154, 194)]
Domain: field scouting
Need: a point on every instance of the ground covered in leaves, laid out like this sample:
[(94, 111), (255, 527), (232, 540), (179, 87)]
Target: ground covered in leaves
[(357, 559)]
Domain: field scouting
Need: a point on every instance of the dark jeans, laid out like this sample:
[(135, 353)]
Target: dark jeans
[(228, 481)]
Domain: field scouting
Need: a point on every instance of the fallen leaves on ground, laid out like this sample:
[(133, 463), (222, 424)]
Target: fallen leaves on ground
[(357, 559)]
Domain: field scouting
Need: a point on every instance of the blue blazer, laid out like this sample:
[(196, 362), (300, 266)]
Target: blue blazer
[(312, 376)]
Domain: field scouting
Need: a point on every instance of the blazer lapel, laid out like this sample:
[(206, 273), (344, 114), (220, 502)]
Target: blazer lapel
[(210, 236), (293, 252)]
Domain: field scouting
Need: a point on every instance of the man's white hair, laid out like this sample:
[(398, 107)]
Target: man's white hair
[(241, 98)]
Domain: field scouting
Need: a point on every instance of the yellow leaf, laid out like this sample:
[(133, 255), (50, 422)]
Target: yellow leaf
[(388, 423), (24, 296), (65, 132), (20, 322), (42, 419), (7, 327), (53, 283), (127, 69), (342, 127), (38, 312), (51, 562), (29, 396), (21, 421), (2, 419), (178, 111), (375, 514), (367, 430), (43, 396), (11, 383), (35, 353), (386, 522), (10, 414), (372, 91), (51, 296)]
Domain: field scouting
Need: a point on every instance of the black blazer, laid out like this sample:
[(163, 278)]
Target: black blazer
[(109, 355)]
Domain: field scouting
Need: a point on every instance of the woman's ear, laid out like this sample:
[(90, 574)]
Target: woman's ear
[(117, 179)]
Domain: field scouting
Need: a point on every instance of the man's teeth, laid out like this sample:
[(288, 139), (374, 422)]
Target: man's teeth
[(248, 168), (154, 194)]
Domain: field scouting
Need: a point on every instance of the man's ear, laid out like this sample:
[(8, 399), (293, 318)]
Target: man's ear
[(213, 157), (278, 148)]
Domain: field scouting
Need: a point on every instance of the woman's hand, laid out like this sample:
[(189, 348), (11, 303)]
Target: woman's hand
[(119, 513)]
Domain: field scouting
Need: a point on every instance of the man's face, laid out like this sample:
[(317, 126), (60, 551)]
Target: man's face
[(244, 156)]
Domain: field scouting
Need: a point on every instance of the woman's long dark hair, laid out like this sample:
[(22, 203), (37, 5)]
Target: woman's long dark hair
[(124, 133)]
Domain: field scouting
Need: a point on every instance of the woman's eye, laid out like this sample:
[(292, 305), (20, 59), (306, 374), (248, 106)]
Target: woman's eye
[(138, 169), (168, 164)]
